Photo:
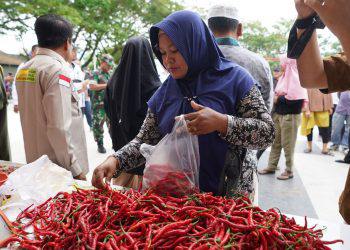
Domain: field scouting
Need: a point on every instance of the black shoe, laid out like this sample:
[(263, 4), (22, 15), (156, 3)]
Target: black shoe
[(342, 161), (101, 149)]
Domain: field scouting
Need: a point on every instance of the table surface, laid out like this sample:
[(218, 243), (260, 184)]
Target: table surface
[(333, 231)]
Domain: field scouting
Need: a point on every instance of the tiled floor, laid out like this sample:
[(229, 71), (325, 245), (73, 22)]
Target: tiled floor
[(315, 189)]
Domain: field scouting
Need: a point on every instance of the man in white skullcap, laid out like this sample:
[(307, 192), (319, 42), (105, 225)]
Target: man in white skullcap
[(224, 22)]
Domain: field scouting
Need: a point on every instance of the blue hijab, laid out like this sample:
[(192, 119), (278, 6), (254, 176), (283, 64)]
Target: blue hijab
[(211, 81)]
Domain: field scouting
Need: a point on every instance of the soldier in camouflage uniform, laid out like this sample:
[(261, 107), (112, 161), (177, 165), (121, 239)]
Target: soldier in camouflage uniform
[(100, 77), (4, 137)]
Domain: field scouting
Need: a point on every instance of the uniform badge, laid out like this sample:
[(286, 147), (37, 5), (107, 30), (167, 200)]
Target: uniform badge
[(26, 75), (64, 81)]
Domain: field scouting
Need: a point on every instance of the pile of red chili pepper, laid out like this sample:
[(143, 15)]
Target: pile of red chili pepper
[(107, 219), (166, 179)]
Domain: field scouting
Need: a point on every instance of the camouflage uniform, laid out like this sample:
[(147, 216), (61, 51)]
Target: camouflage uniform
[(97, 100), (4, 138)]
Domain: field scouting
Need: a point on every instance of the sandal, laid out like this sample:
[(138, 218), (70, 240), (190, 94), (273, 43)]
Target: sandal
[(286, 175), (307, 151), (327, 153), (266, 171)]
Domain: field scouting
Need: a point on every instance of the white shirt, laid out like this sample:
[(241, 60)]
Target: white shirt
[(14, 90), (78, 77), (335, 98)]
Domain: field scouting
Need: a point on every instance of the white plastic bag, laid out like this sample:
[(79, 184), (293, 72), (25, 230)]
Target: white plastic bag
[(172, 166), (33, 184)]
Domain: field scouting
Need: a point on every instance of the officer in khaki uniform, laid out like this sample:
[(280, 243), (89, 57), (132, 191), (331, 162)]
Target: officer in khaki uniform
[(4, 138), (52, 121)]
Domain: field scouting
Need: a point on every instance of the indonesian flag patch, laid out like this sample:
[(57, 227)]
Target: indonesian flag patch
[(64, 81)]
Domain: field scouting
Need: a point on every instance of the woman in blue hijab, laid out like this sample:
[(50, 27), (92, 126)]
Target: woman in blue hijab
[(219, 99)]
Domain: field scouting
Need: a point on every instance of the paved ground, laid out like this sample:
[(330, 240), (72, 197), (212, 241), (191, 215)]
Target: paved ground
[(313, 192)]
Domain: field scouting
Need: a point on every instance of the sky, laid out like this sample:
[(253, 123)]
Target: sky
[(266, 11)]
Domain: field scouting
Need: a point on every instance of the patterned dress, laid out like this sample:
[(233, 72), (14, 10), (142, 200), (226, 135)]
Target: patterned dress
[(251, 129)]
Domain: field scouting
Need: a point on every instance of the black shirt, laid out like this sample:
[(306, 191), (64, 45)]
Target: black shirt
[(287, 107)]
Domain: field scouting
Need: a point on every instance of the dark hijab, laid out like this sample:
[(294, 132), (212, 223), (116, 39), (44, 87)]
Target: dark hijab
[(211, 81), (133, 82)]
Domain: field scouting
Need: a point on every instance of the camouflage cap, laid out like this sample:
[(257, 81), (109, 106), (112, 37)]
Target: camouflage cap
[(108, 59)]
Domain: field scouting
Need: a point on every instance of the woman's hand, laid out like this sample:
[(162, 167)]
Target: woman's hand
[(80, 177), (205, 121), (335, 15), (106, 170), (307, 114)]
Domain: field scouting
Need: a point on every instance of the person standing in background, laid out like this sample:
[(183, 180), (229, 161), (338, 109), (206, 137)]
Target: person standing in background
[(277, 73), (317, 111), (288, 102), (132, 84), (340, 122), (8, 85), (5, 153), (51, 120), (87, 109), (224, 22), (81, 84), (335, 98), (100, 77), (78, 77)]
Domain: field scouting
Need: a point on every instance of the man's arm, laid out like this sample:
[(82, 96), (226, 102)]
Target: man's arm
[(94, 86), (98, 83), (57, 103), (267, 90)]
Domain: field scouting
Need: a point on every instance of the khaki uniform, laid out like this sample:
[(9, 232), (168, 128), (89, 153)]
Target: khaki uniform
[(52, 122)]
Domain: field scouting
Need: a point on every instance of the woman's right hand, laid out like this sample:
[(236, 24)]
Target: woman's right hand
[(307, 114), (106, 170), (303, 10)]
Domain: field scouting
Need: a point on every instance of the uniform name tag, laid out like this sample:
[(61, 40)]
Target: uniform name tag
[(64, 81), (26, 75)]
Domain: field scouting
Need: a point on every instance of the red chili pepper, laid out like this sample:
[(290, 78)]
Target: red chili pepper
[(170, 226), (100, 219), (10, 240)]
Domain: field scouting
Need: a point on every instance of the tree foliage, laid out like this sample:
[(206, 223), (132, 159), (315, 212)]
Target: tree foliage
[(100, 26), (264, 41)]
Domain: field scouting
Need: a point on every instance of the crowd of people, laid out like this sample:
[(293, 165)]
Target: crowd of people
[(229, 96)]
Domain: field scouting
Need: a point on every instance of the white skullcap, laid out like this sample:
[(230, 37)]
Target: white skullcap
[(223, 11)]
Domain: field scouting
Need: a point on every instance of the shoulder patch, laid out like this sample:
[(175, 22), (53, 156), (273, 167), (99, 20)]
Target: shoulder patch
[(64, 80), (26, 75)]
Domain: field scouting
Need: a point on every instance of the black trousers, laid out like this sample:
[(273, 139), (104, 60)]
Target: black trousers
[(324, 132)]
